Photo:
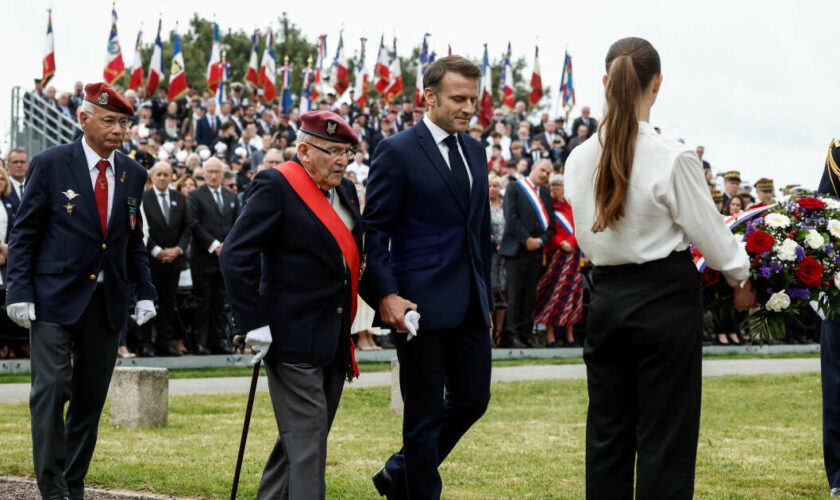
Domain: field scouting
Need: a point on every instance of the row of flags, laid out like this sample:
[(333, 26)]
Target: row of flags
[(386, 78)]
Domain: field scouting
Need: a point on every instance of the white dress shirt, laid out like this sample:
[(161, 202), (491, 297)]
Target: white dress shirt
[(667, 206), (213, 246), (161, 200), (92, 159), (438, 134), (18, 187)]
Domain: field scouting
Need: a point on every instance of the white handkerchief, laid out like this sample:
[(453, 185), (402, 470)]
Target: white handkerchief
[(412, 324)]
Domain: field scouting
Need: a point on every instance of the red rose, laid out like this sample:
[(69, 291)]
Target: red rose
[(810, 272), (811, 203), (709, 277), (759, 242)]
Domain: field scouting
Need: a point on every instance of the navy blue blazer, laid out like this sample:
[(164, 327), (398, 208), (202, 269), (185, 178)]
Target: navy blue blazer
[(279, 247), (422, 240), (57, 250), (203, 133)]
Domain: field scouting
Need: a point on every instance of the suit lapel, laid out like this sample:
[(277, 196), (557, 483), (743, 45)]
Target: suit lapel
[(476, 170), (427, 143), (118, 205), (81, 174)]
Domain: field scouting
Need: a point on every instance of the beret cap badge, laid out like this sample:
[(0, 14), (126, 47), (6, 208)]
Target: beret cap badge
[(103, 98), (331, 127)]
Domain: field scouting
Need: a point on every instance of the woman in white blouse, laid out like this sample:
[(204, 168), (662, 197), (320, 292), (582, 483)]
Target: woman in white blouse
[(638, 200)]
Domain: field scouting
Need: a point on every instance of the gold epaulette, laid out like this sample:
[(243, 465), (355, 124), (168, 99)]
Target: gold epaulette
[(831, 165)]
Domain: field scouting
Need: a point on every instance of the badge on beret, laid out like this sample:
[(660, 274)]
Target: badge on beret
[(332, 126), (103, 98)]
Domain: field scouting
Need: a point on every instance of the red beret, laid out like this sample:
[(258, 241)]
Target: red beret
[(328, 125), (102, 95)]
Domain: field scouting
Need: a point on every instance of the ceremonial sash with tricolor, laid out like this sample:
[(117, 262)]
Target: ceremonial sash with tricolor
[(564, 223), (313, 198), (731, 222), (536, 202)]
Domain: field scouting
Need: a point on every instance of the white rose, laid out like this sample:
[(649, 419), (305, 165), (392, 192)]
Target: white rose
[(837, 280), (814, 239), (834, 228), (787, 250), (831, 203), (777, 302), (778, 220)]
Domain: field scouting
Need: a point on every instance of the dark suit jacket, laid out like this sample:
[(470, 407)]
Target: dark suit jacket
[(592, 127), (422, 240), (279, 247), (56, 253), (522, 222), (161, 234), (207, 224), (203, 133)]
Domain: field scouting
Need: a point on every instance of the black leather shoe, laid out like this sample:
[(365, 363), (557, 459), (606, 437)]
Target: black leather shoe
[(146, 351), (386, 487), (528, 341), (514, 343), (167, 350), (201, 350)]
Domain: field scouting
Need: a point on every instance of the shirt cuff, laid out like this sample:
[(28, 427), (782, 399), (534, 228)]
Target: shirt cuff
[(156, 250), (214, 246)]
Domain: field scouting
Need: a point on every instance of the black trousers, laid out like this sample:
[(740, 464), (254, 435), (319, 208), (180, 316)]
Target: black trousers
[(643, 355), (523, 274), (69, 363), (305, 399), (830, 373), (445, 384), (209, 320), (166, 284)]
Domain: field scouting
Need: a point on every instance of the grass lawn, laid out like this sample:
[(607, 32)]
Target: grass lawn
[(373, 366), (760, 438)]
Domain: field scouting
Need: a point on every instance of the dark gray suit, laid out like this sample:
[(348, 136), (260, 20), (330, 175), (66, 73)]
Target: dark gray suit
[(207, 224)]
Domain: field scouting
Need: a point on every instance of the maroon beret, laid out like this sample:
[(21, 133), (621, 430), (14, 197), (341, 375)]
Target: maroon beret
[(328, 125), (102, 95)]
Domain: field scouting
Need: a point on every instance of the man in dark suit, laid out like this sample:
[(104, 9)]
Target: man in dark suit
[(169, 235), (211, 212), (18, 166), (428, 249), (585, 119), (206, 128), (76, 256), (529, 225), (301, 251), (830, 348)]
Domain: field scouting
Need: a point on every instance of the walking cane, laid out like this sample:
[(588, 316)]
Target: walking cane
[(237, 340)]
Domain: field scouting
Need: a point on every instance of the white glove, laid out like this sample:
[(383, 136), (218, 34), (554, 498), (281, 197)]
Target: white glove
[(259, 340), (412, 324), (143, 312), (22, 313)]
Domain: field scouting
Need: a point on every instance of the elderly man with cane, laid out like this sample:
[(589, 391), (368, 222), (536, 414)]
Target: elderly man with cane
[(297, 241)]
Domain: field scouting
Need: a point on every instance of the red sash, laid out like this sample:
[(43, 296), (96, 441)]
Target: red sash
[(313, 198)]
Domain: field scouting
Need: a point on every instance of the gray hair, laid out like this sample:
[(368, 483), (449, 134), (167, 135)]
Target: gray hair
[(87, 108), (555, 179), (301, 138)]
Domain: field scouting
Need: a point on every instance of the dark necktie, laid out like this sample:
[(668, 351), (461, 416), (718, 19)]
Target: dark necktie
[(165, 207), (456, 164), (100, 192), (219, 201)]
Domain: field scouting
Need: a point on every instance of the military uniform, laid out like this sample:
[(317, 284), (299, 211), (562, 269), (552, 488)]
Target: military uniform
[(830, 348), (732, 175)]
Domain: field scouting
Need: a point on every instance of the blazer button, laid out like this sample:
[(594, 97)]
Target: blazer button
[(93, 276), (104, 246), (340, 310)]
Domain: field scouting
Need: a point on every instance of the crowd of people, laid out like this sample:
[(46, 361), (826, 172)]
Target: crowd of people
[(200, 158)]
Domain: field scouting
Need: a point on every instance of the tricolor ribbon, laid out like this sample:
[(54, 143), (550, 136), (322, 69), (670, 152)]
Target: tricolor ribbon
[(536, 202), (564, 223), (731, 222)]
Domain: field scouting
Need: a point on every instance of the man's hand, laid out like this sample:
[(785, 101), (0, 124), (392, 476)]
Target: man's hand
[(218, 249), (566, 246), (745, 298), (532, 244), (392, 309), (22, 313), (259, 340), (143, 312)]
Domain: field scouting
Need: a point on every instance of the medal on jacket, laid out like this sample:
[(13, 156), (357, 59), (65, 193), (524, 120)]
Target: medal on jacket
[(69, 208), (132, 212), (364, 259), (122, 178)]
